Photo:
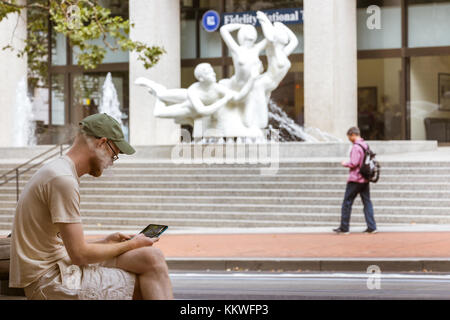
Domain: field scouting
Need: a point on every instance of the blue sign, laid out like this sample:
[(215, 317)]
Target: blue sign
[(211, 20), (286, 16)]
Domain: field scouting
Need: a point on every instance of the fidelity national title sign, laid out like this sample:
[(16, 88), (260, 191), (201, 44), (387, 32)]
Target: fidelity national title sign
[(286, 16)]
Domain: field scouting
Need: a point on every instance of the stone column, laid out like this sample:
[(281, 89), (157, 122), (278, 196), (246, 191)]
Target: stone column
[(156, 22), (13, 31), (330, 60)]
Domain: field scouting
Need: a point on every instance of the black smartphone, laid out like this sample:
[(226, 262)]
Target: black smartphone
[(154, 230)]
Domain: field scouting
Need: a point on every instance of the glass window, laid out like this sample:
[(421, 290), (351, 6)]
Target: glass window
[(430, 98), (210, 44), (118, 8), (188, 35), (58, 109), (59, 49), (379, 30), (380, 114), (187, 3), (187, 76), (196, 42), (110, 56), (428, 23)]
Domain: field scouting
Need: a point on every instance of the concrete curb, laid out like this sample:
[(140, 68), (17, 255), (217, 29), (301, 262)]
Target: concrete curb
[(311, 264), (286, 264)]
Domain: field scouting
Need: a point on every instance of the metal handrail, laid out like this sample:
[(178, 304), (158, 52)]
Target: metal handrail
[(17, 172)]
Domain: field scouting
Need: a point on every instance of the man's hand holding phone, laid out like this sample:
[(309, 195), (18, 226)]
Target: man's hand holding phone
[(141, 240), (148, 236)]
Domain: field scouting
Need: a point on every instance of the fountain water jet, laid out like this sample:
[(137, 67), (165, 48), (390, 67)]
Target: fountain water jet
[(110, 104), (24, 126)]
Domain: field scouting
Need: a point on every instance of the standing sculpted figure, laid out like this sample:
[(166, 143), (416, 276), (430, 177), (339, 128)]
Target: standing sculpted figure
[(281, 42), (245, 54), (247, 65)]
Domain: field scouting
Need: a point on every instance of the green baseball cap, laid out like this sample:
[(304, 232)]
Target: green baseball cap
[(102, 125)]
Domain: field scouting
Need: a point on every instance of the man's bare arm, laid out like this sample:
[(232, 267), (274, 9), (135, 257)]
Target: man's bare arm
[(83, 253), (112, 238)]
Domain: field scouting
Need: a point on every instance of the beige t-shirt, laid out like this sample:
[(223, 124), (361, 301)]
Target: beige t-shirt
[(51, 196)]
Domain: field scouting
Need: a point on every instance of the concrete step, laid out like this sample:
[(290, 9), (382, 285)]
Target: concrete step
[(240, 220), (262, 208), (386, 178), (284, 200), (88, 215), (247, 208), (216, 170), (282, 164), (261, 178), (435, 194), (436, 190), (301, 191), (9, 201), (243, 219), (264, 185)]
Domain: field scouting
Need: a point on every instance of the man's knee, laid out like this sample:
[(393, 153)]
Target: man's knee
[(154, 259)]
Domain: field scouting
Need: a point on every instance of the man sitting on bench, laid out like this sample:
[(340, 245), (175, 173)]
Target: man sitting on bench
[(50, 257)]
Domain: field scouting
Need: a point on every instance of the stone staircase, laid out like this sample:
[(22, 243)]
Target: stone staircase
[(301, 194)]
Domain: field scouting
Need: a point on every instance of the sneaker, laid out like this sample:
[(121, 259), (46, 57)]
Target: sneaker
[(372, 231), (339, 230)]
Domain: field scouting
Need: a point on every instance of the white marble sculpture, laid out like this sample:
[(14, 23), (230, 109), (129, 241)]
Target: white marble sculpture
[(238, 106)]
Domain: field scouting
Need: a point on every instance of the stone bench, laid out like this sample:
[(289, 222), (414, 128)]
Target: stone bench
[(5, 244)]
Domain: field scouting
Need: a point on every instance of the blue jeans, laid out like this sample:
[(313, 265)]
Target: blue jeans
[(352, 190)]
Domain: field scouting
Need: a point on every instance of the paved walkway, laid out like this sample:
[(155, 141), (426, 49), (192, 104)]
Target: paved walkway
[(307, 245)]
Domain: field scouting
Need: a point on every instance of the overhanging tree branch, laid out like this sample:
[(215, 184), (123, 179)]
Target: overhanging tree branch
[(92, 22)]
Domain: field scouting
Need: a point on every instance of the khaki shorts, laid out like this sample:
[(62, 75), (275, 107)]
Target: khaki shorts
[(65, 281)]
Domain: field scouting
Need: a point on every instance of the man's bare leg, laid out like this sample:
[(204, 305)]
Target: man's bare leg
[(150, 267)]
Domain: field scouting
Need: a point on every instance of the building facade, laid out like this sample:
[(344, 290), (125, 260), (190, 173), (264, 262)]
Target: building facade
[(383, 65)]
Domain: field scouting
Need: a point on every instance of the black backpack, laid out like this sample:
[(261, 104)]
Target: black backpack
[(370, 167)]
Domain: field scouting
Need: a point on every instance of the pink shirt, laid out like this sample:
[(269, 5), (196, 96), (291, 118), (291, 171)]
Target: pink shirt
[(356, 159)]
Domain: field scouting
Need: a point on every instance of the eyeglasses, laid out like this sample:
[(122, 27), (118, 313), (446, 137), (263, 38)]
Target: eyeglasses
[(115, 156)]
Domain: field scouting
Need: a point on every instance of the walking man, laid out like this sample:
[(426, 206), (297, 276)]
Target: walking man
[(356, 184), (50, 257)]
